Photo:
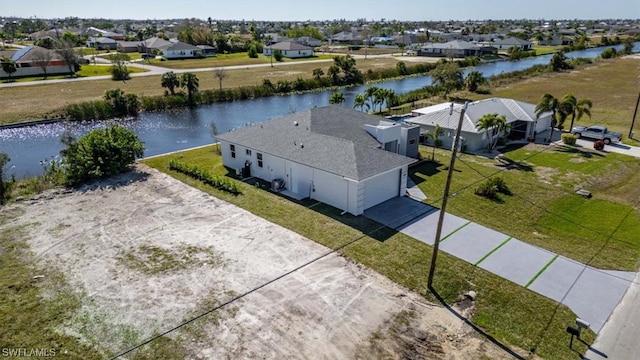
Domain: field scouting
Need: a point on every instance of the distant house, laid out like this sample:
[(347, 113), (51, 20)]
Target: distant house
[(288, 49), (102, 43), (347, 37), (95, 32), (308, 41), (208, 51), (128, 46), (453, 49), (519, 115), (556, 40), (508, 43), (180, 50), (151, 44), (29, 62), (341, 157)]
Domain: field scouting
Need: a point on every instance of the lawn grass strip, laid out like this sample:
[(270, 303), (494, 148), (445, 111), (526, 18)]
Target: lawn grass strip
[(455, 231), (544, 268), (492, 251)]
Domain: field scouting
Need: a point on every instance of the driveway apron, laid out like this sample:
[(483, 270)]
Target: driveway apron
[(592, 294)]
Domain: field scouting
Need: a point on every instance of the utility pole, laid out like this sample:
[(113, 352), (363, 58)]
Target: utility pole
[(445, 196), (633, 120)]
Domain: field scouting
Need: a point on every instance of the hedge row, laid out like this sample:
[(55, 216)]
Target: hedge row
[(204, 176)]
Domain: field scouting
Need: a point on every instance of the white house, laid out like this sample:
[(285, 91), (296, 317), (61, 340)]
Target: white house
[(508, 43), (288, 49), (180, 50), (519, 115), (31, 60), (331, 154)]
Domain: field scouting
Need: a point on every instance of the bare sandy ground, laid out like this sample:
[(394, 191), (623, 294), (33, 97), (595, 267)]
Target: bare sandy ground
[(146, 252)]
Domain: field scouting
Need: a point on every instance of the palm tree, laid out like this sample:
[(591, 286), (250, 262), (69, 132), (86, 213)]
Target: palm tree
[(190, 82), (369, 95), (170, 81), (360, 103), (336, 98), (546, 104), (491, 123), (473, 80), (570, 105), (433, 135)]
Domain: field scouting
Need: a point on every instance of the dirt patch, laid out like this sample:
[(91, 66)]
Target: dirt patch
[(146, 252)]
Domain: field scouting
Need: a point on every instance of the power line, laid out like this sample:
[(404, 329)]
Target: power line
[(560, 216)]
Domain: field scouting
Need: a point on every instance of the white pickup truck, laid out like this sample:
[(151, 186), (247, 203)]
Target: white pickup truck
[(597, 132)]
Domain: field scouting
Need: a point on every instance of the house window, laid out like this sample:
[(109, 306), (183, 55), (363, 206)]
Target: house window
[(233, 150), (259, 156), (248, 152)]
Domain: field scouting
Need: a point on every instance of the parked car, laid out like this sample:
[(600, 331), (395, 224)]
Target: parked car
[(146, 56), (597, 132)]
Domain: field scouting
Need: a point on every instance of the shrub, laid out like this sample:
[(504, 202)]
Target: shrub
[(99, 154), (598, 145), (204, 176), (278, 55), (491, 187), (569, 139), (253, 52)]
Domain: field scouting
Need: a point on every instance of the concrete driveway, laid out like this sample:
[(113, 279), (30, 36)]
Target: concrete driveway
[(619, 148), (591, 293)]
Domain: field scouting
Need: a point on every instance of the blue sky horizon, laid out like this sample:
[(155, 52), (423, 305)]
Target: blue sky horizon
[(302, 10)]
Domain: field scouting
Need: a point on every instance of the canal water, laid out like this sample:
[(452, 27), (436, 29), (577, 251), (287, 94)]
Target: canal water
[(180, 129)]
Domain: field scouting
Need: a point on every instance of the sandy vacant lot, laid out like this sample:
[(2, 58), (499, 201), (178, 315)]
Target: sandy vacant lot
[(146, 252)]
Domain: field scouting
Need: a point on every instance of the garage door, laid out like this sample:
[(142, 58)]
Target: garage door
[(381, 188)]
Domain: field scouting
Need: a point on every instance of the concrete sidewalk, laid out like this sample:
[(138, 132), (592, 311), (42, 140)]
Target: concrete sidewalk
[(591, 293)]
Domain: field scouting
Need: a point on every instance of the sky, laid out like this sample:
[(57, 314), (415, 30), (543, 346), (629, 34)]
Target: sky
[(301, 10)]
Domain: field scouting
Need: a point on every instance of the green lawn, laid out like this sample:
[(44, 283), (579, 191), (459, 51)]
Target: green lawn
[(510, 313), (228, 60), (544, 210)]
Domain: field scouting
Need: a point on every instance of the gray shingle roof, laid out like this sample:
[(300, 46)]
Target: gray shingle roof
[(179, 45), (330, 138), (288, 45)]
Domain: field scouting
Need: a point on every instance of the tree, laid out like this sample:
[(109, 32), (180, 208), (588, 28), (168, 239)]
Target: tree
[(119, 70), (116, 99), (359, 102), (546, 104), (64, 48), (628, 46), (8, 66), (253, 52), (473, 80), (570, 105), (42, 58), (559, 62), (401, 68), (220, 74), (369, 95), (449, 76), (336, 98), (277, 54), (434, 135), (100, 154), (170, 82), (493, 124), (190, 82), (46, 42), (4, 159), (317, 73)]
